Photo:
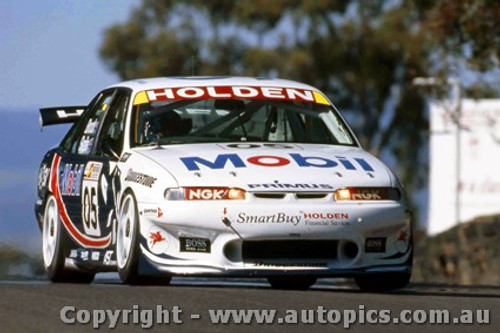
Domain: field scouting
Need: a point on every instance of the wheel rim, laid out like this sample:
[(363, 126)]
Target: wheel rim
[(50, 231), (126, 227)]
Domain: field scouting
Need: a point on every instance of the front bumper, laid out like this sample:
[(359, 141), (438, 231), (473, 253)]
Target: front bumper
[(347, 231)]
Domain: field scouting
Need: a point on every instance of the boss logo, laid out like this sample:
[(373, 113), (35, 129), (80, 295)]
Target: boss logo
[(188, 244), (376, 244)]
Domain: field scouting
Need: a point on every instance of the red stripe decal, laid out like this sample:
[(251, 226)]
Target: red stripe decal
[(68, 224)]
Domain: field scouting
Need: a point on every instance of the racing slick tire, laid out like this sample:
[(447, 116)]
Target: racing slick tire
[(55, 247), (383, 282), (128, 252), (291, 282)]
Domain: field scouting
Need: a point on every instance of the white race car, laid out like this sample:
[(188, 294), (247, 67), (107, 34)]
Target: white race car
[(218, 176)]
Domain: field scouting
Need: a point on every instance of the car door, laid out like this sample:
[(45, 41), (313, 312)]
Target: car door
[(107, 150), (84, 171)]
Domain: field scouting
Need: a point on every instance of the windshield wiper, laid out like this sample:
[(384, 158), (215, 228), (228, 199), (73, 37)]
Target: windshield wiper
[(241, 124)]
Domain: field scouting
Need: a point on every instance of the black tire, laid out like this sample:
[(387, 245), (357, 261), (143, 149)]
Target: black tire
[(291, 282), (55, 263), (383, 282), (129, 268)]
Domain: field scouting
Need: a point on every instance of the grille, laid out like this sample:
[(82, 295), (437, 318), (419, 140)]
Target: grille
[(319, 195), (264, 195), (289, 249)]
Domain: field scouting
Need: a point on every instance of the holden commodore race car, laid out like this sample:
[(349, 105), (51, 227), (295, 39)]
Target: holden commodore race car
[(218, 176)]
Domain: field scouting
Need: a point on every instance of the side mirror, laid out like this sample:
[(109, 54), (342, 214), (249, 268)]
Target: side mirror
[(107, 149)]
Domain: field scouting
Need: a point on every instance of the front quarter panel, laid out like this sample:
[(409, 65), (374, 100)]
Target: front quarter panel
[(147, 179)]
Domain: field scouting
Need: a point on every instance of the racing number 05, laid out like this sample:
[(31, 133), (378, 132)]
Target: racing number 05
[(90, 210)]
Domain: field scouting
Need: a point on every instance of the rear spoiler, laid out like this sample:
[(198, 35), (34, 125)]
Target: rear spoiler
[(60, 115)]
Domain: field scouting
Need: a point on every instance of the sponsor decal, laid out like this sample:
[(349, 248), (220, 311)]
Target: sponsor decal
[(125, 157), (150, 211), (157, 240), (86, 145), (277, 184), (156, 212), (140, 178), (325, 218), (63, 113), (191, 244), (402, 240), (107, 258), (78, 236), (92, 171), (375, 244), (369, 194), (193, 193), (95, 256), (84, 255), (231, 92), (91, 128), (193, 163), (278, 218), (72, 179), (43, 176), (156, 237)]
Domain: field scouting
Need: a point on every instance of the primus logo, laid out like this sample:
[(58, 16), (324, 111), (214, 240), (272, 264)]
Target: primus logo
[(277, 184), (194, 162)]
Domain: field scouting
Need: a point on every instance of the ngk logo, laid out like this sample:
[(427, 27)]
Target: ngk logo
[(373, 194), (206, 193)]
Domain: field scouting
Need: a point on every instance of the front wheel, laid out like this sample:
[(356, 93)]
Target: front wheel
[(292, 282), (127, 241), (55, 247), (127, 246), (383, 282)]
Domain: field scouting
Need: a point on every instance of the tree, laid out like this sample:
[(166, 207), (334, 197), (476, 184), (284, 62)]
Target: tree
[(467, 29), (362, 54)]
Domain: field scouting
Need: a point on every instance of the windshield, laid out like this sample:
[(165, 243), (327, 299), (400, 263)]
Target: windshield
[(226, 120)]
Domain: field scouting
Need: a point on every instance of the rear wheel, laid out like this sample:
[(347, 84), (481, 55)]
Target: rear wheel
[(383, 282), (55, 247), (291, 282)]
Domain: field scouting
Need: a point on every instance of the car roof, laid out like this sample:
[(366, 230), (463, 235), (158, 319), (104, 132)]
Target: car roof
[(200, 81)]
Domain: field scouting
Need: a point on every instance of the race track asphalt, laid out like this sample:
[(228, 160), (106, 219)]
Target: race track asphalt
[(35, 306)]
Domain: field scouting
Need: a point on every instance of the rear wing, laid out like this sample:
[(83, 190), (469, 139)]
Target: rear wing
[(60, 115)]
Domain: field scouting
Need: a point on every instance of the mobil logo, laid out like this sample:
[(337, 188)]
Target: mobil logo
[(193, 163)]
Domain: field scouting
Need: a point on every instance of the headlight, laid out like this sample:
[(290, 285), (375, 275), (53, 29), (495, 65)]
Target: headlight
[(174, 194), (367, 193), (205, 193)]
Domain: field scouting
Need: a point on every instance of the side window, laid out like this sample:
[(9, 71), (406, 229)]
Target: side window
[(87, 139), (73, 134), (111, 136)]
